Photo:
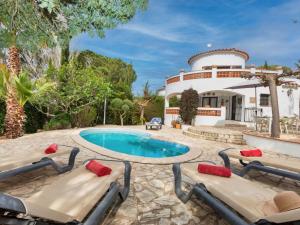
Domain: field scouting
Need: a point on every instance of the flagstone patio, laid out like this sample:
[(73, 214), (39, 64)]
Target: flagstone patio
[(152, 199)]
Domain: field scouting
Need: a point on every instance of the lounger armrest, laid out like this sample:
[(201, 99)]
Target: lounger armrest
[(127, 172), (225, 157), (71, 162), (184, 197), (11, 203)]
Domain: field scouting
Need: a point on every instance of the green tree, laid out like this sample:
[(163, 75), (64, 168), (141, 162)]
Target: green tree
[(189, 103), (155, 108), (23, 25), (92, 17), (174, 101), (120, 74), (121, 108), (73, 89)]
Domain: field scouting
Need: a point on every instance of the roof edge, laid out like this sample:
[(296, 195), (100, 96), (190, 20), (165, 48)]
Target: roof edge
[(228, 50)]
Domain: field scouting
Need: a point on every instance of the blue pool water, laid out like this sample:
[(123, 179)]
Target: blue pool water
[(133, 143)]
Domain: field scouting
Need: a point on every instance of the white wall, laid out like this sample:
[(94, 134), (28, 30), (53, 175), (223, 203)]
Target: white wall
[(211, 120), (273, 145), (229, 59), (200, 120), (288, 106)]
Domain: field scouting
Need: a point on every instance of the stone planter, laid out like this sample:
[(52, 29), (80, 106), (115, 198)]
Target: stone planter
[(185, 126)]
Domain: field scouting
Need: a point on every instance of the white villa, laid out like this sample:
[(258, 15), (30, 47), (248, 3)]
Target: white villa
[(216, 76)]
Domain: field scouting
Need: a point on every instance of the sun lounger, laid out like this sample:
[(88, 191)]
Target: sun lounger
[(281, 167), (154, 123), (78, 198), (22, 163), (253, 202)]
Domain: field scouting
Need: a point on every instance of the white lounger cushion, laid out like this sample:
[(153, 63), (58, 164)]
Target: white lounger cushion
[(290, 164), (246, 197), (72, 196), (25, 158)]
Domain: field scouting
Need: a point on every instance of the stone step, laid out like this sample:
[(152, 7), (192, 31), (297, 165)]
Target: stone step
[(220, 137)]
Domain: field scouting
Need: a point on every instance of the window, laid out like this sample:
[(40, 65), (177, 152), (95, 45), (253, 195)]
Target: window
[(264, 100), (207, 67), (223, 67), (236, 67), (211, 102)]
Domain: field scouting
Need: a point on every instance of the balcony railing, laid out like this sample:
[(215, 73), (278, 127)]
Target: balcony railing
[(217, 73), (202, 111)]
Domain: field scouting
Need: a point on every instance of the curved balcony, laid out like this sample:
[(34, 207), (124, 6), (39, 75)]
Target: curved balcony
[(206, 80)]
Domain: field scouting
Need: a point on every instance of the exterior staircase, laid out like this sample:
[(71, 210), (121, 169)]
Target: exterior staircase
[(216, 134)]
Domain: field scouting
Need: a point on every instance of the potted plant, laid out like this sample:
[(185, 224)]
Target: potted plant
[(178, 123), (173, 123)]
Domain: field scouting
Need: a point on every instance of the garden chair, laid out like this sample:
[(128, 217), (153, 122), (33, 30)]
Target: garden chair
[(12, 165), (277, 166), (284, 123), (293, 124), (77, 198), (253, 203), (263, 124), (155, 122)]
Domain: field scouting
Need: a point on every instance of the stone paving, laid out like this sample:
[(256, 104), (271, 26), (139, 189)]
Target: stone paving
[(151, 199)]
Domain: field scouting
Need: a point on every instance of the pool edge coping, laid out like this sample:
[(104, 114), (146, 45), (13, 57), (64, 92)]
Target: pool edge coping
[(192, 154)]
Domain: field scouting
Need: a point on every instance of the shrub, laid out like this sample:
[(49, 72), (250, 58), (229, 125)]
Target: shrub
[(174, 101), (60, 122), (34, 119), (85, 118), (155, 108), (121, 108), (188, 105)]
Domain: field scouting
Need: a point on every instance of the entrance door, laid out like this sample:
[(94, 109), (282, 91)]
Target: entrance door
[(233, 107)]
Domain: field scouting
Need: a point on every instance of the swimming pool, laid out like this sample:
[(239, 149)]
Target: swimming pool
[(133, 143)]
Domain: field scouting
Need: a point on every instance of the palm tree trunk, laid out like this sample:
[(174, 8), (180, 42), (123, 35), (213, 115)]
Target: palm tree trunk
[(15, 115), (275, 128), (142, 115)]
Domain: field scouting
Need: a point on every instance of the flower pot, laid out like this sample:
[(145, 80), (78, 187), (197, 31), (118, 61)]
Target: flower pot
[(178, 126)]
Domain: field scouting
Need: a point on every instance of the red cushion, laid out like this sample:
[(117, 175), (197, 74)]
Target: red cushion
[(51, 149), (251, 153), (97, 168), (214, 170)]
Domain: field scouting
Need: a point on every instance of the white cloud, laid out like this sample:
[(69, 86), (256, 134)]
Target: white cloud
[(155, 32)]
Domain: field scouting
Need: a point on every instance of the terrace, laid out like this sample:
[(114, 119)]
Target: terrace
[(152, 199)]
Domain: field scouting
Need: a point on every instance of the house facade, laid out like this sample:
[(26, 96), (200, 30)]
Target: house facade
[(216, 76)]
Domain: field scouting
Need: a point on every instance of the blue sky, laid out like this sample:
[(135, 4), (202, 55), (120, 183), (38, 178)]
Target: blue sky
[(159, 41)]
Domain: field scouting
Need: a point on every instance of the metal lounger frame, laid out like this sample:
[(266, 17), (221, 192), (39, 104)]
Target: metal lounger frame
[(46, 161), (200, 191), (14, 205), (158, 126), (256, 165)]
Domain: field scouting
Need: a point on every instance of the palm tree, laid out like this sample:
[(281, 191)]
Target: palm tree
[(23, 25), (16, 90), (143, 101)]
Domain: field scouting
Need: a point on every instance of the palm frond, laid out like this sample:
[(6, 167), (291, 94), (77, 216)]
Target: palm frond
[(24, 88), (4, 80)]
